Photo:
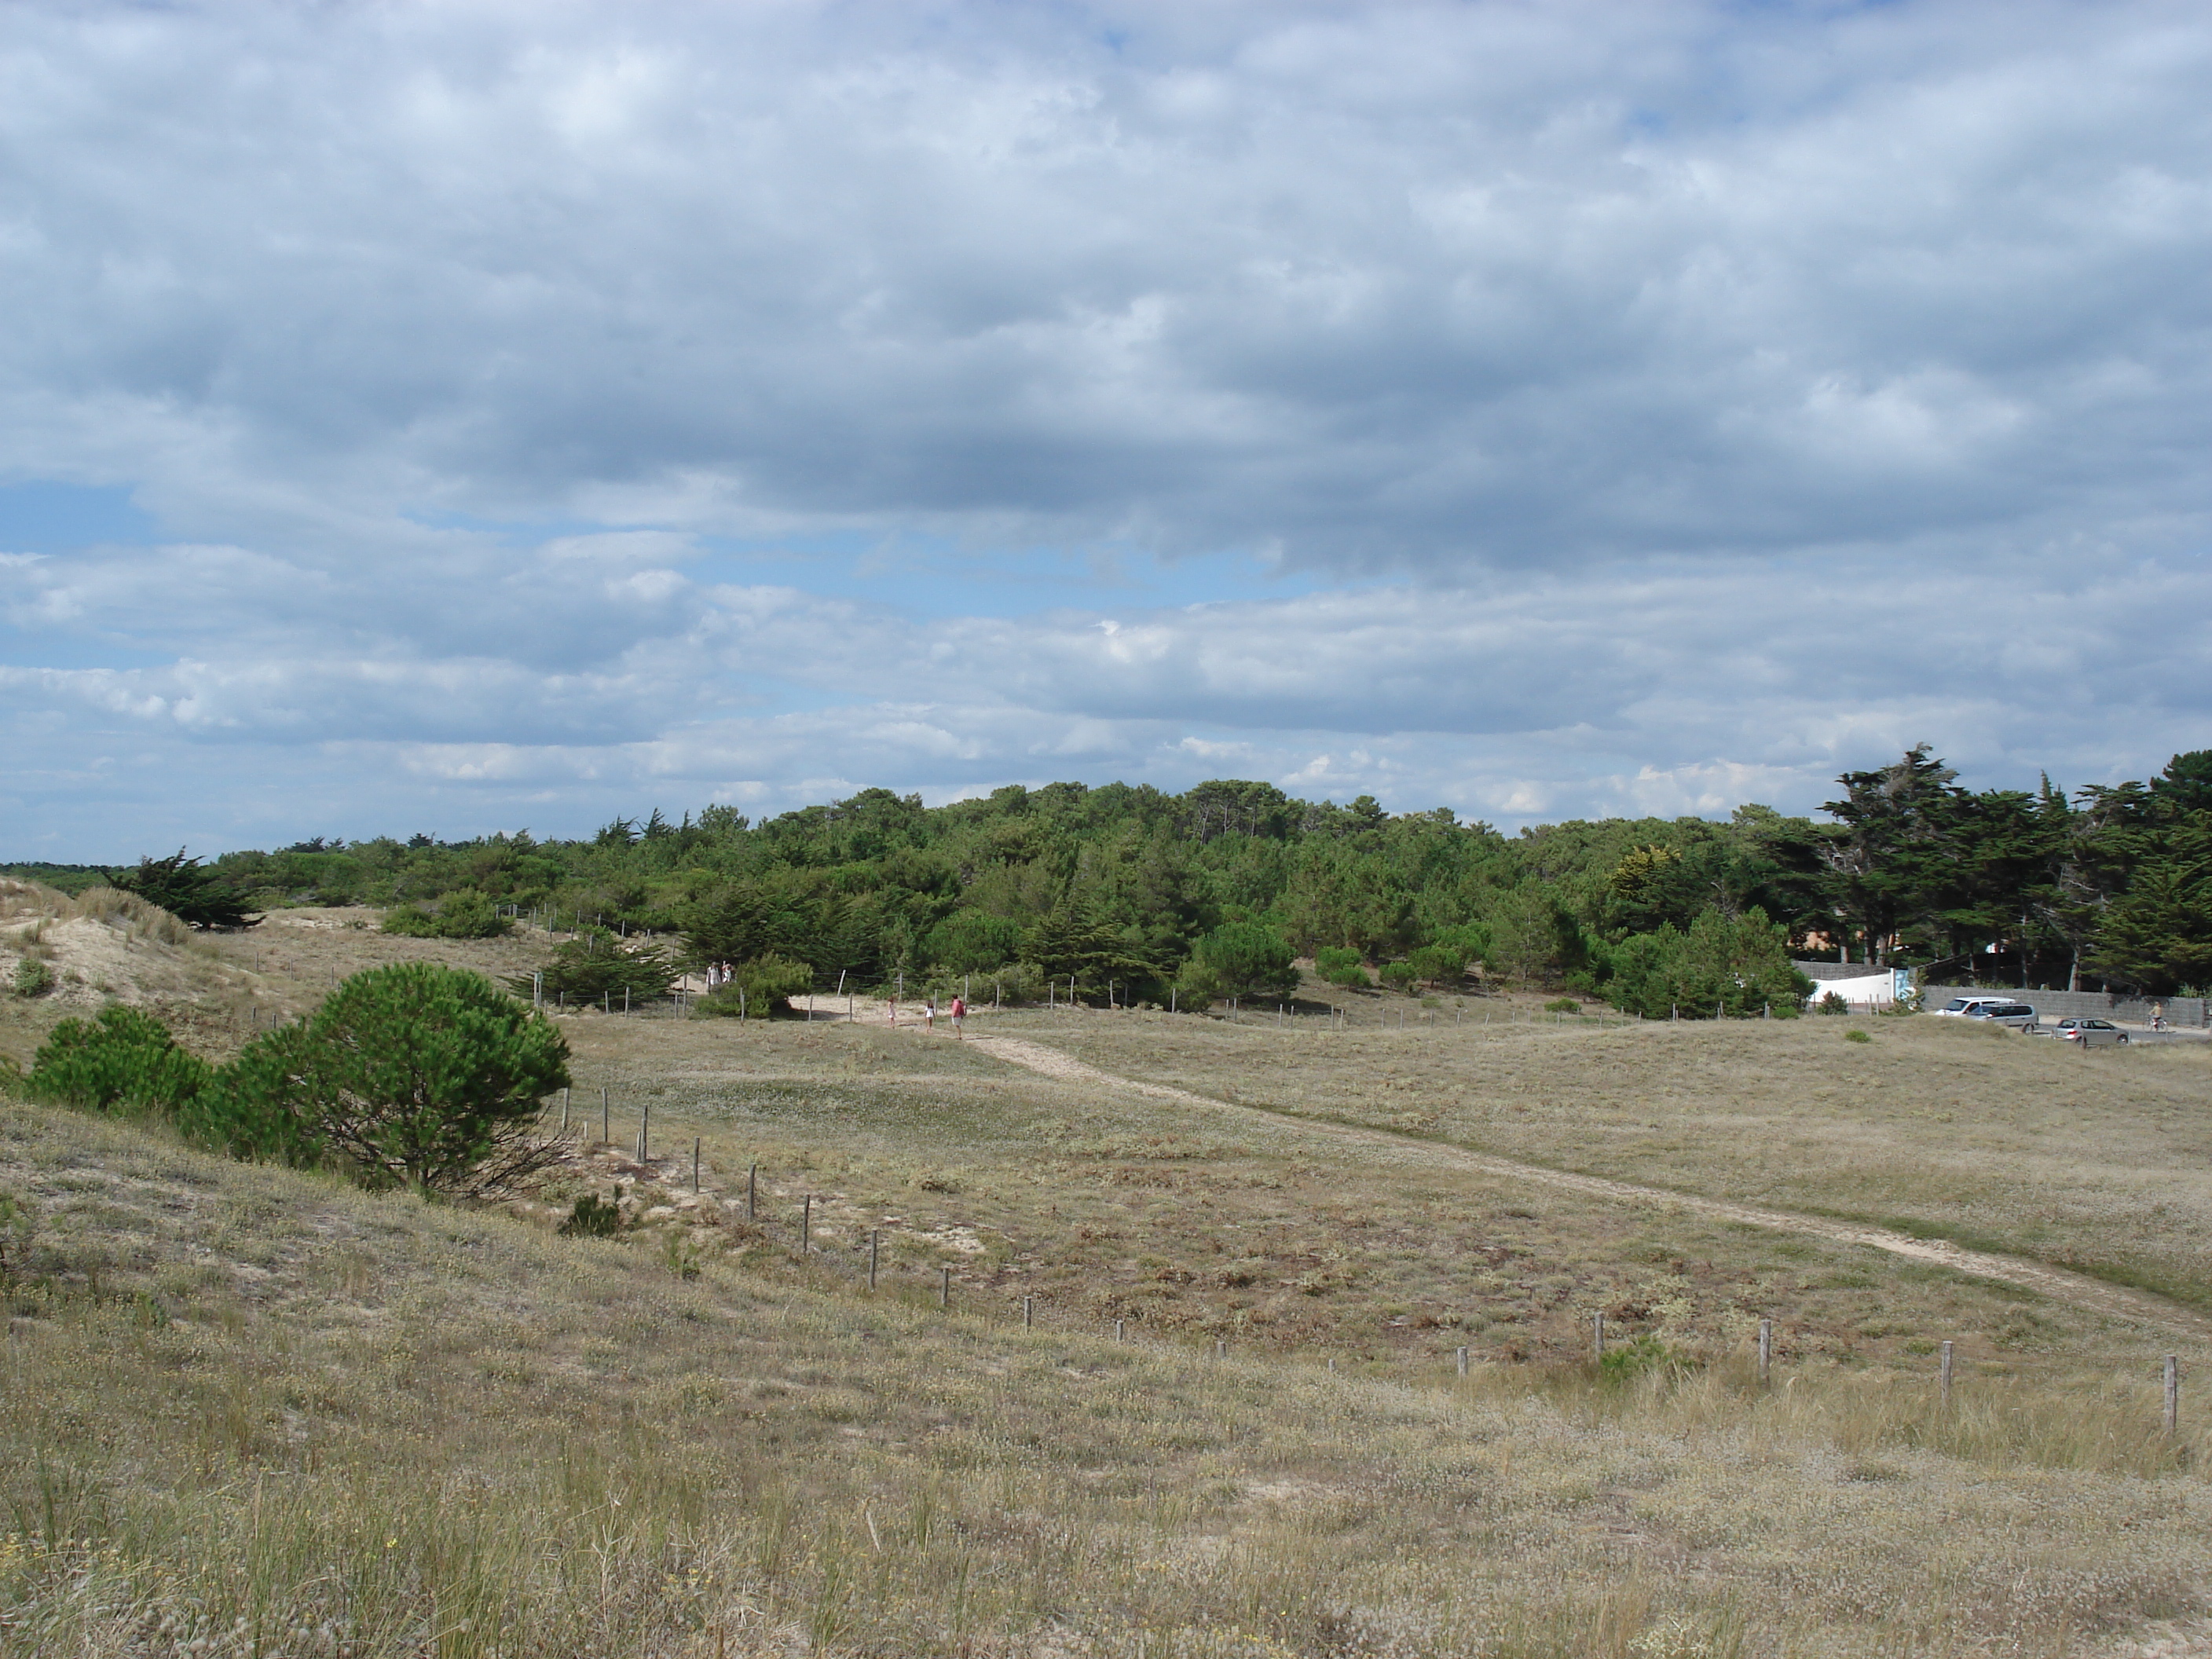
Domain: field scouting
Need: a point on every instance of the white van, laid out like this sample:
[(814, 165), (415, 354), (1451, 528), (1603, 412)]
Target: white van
[(1958, 1007)]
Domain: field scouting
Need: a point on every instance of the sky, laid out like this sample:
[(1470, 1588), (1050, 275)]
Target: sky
[(462, 417)]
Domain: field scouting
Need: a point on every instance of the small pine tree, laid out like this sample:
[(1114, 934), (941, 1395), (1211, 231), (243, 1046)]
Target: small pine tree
[(124, 1061)]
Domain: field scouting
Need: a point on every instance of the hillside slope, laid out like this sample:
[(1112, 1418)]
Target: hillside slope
[(250, 1411)]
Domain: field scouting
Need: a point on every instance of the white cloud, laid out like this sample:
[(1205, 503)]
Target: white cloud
[(1726, 396)]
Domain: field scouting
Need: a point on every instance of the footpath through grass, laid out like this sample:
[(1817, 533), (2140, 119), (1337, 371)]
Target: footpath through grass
[(2100, 1161)]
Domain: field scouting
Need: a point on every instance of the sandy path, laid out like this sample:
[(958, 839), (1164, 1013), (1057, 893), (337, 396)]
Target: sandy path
[(2093, 1294)]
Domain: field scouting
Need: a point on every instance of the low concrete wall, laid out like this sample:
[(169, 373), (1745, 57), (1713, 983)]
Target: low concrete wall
[(2079, 1005)]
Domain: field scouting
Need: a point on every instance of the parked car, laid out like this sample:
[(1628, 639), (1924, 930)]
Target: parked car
[(2016, 1016), (1957, 1007), (2090, 1033)]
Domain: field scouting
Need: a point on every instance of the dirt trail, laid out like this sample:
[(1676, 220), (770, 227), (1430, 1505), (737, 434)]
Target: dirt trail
[(2112, 1301)]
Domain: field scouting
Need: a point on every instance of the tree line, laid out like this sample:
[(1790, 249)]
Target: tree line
[(1145, 895)]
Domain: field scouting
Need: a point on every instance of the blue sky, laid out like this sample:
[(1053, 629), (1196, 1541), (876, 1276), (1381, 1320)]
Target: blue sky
[(473, 415)]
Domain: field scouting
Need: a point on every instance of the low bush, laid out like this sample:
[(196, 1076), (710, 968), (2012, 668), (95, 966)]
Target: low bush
[(1563, 1005), (593, 1219), (414, 1074), (597, 967), (121, 1061), (1339, 964), (1645, 1352), (1246, 958), (1399, 975), (263, 1107), (466, 914), (1443, 965), (33, 977), (760, 989)]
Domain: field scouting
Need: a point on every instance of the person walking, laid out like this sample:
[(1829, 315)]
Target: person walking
[(959, 1013), (929, 1016)]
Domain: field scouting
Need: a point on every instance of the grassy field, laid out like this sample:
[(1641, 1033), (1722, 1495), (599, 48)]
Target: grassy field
[(2101, 1160), (254, 1413)]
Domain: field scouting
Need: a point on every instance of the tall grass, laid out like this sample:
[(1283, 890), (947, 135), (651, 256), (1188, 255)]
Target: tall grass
[(23, 901)]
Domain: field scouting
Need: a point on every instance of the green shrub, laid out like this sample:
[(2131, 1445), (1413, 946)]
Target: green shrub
[(759, 989), (1399, 975), (1857, 1035), (1440, 964), (1646, 1353), (1720, 964), (596, 967), (1830, 1003), (1248, 957), (1339, 964), (680, 1253), (410, 922), (1195, 988), (593, 1220), (1563, 1005), (426, 1075), (121, 1061), (263, 1107), (972, 941), (463, 914), (33, 977)]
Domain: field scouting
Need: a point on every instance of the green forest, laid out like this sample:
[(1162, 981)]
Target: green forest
[(1131, 893)]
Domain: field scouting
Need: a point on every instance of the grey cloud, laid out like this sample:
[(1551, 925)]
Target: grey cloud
[(1410, 286), (1731, 395)]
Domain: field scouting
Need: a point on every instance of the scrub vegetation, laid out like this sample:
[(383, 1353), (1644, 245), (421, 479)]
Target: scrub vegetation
[(1127, 894)]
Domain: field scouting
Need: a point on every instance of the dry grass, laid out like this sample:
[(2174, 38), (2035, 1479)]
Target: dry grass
[(251, 1413), (365, 1425), (1196, 1226), (2098, 1160)]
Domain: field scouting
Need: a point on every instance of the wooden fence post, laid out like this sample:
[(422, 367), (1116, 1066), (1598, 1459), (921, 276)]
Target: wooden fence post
[(2173, 1395), (1946, 1366), (1028, 1312), (752, 1192), (1765, 1349), (1597, 1337), (875, 1248), (606, 1119), (694, 1166), (1463, 1362), (945, 1290), (805, 1221)]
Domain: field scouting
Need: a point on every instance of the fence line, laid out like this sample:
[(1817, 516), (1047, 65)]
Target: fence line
[(859, 1262)]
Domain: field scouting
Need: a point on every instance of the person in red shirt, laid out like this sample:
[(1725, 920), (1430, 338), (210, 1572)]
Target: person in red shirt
[(959, 1013)]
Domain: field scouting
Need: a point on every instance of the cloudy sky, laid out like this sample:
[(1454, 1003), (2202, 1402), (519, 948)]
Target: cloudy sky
[(454, 417)]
